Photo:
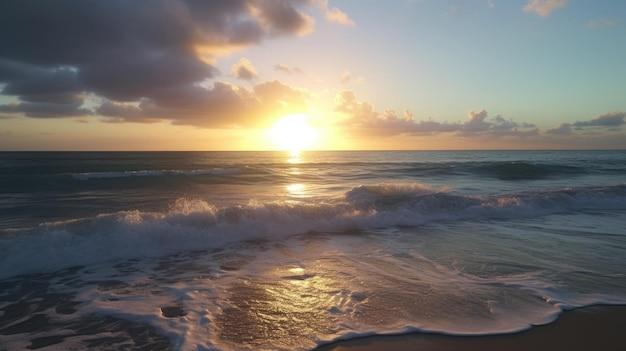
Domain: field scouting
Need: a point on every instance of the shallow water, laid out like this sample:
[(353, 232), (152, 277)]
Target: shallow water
[(262, 251)]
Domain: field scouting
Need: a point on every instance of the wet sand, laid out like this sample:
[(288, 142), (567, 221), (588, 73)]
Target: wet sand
[(591, 328)]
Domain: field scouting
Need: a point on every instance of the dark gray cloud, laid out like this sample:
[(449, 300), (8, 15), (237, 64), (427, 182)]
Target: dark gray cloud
[(609, 121), (362, 118), (151, 53), (283, 17), (227, 105), (45, 109), (39, 87), (563, 129)]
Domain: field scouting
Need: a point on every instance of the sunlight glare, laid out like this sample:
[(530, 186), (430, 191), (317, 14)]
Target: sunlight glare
[(296, 189), (293, 133)]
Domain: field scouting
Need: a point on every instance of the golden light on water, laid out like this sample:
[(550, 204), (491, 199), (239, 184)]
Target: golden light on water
[(294, 157), (293, 133), (296, 270), (296, 189)]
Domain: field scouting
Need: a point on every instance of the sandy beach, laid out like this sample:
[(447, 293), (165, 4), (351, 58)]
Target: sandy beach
[(590, 328)]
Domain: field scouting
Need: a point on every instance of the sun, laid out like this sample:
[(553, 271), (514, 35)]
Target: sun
[(293, 133)]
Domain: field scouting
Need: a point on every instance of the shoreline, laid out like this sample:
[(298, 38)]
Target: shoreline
[(596, 327)]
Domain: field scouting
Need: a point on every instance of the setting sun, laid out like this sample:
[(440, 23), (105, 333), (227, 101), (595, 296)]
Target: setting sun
[(293, 133)]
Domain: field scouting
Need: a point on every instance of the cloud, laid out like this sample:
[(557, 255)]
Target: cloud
[(609, 121), (46, 109), (347, 78), (601, 23), (363, 119), (244, 69), (287, 69), (281, 17), (335, 15), (222, 105), (563, 129), (480, 123), (544, 8), (150, 54)]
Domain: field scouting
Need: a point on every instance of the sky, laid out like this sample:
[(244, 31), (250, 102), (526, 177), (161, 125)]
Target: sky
[(360, 74)]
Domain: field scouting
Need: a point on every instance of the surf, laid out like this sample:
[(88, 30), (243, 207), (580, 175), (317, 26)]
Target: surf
[(191, 224)]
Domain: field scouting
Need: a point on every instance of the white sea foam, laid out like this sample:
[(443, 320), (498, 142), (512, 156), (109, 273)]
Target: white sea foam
[(196, 224), (302, 291)]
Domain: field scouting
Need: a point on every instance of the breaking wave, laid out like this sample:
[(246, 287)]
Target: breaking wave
[(192, 224)]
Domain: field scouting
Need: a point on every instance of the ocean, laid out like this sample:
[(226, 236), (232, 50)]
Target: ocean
[(272, 251)]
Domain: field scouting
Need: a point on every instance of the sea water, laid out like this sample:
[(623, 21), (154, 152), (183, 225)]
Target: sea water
[(267, 250)]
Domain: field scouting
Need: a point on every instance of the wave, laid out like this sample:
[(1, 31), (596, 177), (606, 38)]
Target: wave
[(525, 170), (156, 173), (517, 170), (192, 224)]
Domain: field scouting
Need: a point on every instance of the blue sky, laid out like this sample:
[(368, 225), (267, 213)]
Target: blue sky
[(441, 58)]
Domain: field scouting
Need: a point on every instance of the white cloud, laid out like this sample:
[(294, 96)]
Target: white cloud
[(335, 15), (544, 8)]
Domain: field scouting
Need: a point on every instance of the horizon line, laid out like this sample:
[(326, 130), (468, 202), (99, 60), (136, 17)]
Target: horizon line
[(327, 150)]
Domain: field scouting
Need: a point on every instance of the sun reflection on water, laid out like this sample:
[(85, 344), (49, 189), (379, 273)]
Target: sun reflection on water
[(288, 308), (296, 189), (294, 157)]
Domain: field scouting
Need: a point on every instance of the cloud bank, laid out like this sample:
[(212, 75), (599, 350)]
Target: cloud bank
[(612, 121), (140, 60), (363, 119), (227, 105)]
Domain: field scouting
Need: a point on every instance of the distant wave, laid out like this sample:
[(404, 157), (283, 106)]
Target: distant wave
[(518, 170), (196, 224), (510, 171), (525, 170), (156, 173)]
